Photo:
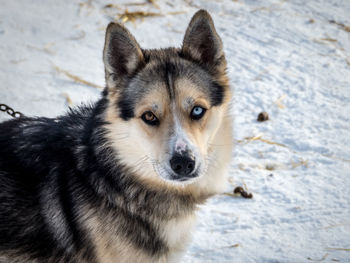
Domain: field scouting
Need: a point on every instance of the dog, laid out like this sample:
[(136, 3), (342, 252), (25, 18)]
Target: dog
[(120, 180)]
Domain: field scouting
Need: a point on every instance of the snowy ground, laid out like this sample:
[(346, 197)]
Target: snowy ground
[(289, 58)]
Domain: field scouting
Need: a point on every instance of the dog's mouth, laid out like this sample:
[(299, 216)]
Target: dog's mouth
[(168, 175), (184, 178)]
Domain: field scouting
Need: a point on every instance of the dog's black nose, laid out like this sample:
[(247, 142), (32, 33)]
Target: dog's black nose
[(182, 165)]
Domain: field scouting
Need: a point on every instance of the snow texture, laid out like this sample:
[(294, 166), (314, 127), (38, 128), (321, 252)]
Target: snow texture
[(289, 58)]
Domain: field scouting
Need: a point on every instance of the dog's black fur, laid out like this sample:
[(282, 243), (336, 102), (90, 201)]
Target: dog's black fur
[(38, 154)]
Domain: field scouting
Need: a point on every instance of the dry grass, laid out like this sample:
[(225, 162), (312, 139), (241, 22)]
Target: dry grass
[(80, 35), (267, 9), (259, 138), (77, 79), (278, 102), (45, 49), (14, 61), (334, 42), (301, 162), (125, 15), (261, 74), (318, 260), (153, 2), (87, 6), (348, 62), (273, 166), (68, 99), (336, 225), (176, 13), (133, 16), (234, 245), (328, 39), (141, 15), (325, 41), (344, 27), (335, 157), (250, 138), (270, 167), (112, 6), (338, 248), (271, 142)]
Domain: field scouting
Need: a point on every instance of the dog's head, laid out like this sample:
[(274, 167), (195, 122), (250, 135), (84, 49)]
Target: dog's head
[(168, 109)]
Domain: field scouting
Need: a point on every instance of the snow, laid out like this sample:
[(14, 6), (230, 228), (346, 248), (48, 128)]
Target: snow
[(288, 58)]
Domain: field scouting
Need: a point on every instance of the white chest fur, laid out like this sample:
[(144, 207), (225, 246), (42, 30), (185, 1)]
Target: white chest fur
[(177, 234)]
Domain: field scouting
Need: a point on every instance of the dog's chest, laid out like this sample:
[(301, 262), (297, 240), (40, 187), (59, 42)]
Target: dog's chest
[(175, 233)]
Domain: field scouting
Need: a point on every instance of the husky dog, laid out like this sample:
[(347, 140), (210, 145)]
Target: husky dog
[(120, 180)]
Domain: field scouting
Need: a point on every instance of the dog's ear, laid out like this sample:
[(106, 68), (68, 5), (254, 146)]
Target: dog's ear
[(122, 55), (201, 42)]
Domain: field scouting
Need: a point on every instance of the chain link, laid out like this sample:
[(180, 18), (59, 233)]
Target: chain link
[(10, 111)]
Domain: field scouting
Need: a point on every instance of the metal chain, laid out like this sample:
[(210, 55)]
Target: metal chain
[(10, 111)]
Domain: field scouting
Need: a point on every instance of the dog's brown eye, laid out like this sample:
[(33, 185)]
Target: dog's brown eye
[(197, 113), (149, 118)]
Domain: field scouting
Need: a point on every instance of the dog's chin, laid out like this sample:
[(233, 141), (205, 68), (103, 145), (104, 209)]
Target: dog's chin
[(181, 179)]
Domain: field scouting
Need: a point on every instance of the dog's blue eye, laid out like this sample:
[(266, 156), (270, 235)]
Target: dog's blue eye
[(197, 113)]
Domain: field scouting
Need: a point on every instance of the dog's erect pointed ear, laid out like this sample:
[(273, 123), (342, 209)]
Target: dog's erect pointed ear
[(201, 42), (122, 55)]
